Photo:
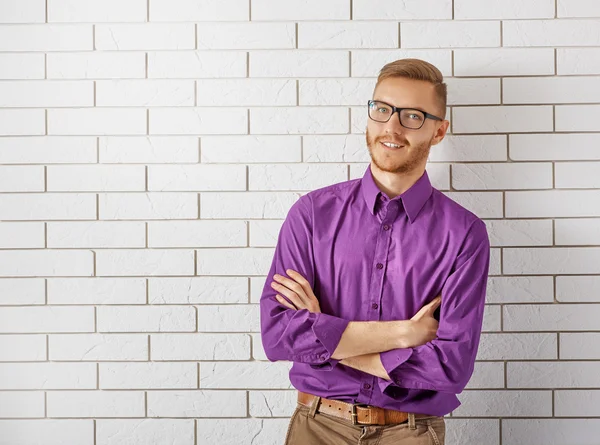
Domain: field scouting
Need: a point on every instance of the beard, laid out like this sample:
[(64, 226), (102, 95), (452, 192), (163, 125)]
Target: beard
[(405, 160)]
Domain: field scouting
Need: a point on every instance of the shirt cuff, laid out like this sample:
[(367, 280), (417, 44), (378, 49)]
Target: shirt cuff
[(391, 360), (328, 331)]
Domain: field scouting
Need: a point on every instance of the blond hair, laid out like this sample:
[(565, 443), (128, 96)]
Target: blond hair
[(418, 69)]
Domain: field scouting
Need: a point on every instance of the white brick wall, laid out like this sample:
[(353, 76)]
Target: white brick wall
[(150, 149)]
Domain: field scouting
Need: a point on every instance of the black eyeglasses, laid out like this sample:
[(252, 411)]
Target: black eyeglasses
[(409, 117)]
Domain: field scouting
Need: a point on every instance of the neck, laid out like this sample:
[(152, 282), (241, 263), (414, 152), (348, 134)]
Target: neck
[(394, 184)]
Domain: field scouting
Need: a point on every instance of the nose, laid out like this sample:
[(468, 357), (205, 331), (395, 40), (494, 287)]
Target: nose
[(393, 125)]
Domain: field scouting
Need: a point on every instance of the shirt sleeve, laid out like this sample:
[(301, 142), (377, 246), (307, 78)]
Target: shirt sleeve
[(446, 363), (297, 335)]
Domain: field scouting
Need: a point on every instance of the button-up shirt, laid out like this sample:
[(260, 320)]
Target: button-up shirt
[(371, 258)]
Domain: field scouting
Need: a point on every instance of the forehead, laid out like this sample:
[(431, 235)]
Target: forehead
[(403, 92)]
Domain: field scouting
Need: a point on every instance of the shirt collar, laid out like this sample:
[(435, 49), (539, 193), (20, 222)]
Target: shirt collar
[(412, 199)]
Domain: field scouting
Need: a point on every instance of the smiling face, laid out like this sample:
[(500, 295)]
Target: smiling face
[(414, 144)]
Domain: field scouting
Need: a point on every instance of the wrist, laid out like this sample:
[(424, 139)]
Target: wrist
[(403, 328)]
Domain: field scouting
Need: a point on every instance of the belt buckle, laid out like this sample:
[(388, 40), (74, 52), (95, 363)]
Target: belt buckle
[(354, 414)]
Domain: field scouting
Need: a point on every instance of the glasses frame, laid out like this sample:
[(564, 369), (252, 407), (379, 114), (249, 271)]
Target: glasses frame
[(397, 109)]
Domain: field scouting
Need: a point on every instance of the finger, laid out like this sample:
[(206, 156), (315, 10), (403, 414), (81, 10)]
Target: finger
[(290, 295), (284, 302), (287, 285), (292, 284)]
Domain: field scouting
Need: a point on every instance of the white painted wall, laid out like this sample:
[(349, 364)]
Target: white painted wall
[(149, 151)]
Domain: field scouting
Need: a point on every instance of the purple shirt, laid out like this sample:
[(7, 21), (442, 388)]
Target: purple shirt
[(371, 258)]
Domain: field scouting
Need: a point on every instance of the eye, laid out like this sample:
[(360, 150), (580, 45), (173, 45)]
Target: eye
[(383, 110), (415, 116)]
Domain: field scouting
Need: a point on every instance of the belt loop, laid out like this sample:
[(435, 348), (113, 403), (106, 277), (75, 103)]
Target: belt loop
[(314, 406), (411, 421)]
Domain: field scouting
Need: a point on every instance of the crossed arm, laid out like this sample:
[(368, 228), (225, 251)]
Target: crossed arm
[(361, 342)]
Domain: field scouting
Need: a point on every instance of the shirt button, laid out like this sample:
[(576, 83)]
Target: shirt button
[(367, 386), (374, 305), (379, 266), (386, 227)]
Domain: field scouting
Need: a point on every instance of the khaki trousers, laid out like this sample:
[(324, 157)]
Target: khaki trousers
[(309, 427)]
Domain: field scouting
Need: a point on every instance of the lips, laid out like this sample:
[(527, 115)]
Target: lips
[(392, 148)]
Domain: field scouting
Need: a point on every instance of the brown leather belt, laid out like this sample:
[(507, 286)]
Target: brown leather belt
[(357, 413)]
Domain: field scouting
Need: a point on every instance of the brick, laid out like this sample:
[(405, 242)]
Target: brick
[(577, 289), (95, 404), (143, 206), (551, 317), (502, 119), (96, 65), (553, 203), (551, 33), (580, 346), (21, 122), (577, 117), (96, 178), (43, 37), (449, 34), (197, 234), (550, 90), (200, 346), (197, 178), (22, 348), (15, 404), (196, 64), (47, 150), (550, 431), (577, 8), (348, 34), (117, 431), (382, 10), (233, 261), (508, 9), (295, 177), (552, 374), (251, 35), (42, 93), (21, 66), (96, 234), (84, 291), (197, 290), (47, 376), (22, 11), (503, 61), (497, 176), (257, 375), (299, 63), (505, 404), (559, 260), (300, 10), (520, 289), (177, 375), (187, 121), (368, 62), (577, 61), (97, 347), (196, 404), (144, 93), (148, 149), (95, 11), (193, 11), (245, 92), (254, 205), (22, 178), (146, 319), (520, 232), (50, 431), (517, 347), (299, 120), (141, 262), (229, 318), (145, 36), (250, 149), (554, 147), (25, 263), (96, 121)]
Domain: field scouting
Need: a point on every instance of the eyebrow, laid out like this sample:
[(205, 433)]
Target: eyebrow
[(388, 102)]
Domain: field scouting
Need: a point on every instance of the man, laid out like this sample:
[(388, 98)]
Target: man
[(359, 272)]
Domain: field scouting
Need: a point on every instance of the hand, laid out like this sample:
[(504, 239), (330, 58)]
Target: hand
[(297, 290), (424, 326)]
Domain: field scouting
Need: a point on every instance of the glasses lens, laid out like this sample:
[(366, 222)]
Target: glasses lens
[(380, 112), (412, 118)]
